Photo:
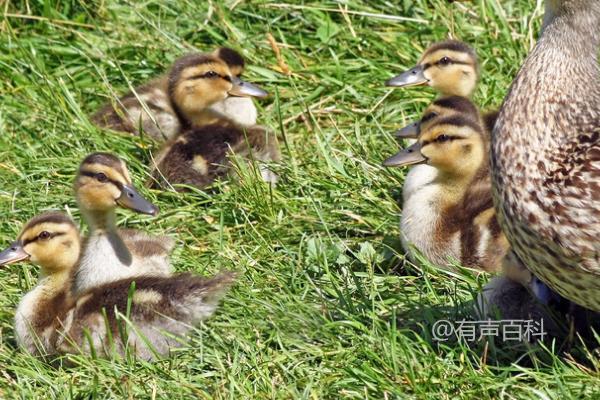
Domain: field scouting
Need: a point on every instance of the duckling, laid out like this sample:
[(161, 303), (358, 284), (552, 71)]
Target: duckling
[(168, 104), (102, 184), (52, 241), (201, 154), (546, 154), (452, 217), (51, 320), (450, 67), (422, 174), (514, 273)]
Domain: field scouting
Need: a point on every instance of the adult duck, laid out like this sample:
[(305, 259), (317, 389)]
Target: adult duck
[(546, 154)]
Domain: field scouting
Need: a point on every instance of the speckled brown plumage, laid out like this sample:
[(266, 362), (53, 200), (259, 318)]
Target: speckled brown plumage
[(546, 154)]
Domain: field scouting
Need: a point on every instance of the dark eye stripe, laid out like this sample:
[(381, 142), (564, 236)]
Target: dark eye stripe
[(449, 139), (52, 235), (429, 65), (93, 175), (206, 76)]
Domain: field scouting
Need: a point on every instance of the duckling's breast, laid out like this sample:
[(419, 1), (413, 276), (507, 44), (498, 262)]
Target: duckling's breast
[(417, 177), (38, 316), (420, 226), (23, 316), (239, 110)]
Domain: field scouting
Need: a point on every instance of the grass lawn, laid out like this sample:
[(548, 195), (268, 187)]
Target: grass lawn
[(326, 306)]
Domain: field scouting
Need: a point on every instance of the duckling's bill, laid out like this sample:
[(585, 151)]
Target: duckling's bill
[(246, 89), (410, 131), (409, 156), (132, 199), (13, 254), (412, 77)]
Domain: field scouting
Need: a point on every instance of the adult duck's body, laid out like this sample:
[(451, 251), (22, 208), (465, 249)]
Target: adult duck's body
[(546, 154)]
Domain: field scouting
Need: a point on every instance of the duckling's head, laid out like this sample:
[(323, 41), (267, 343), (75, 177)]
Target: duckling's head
[(443, 106), (103, 183), (50, 240), (198, 81), (233, 59), (450, 67), (453, 144)]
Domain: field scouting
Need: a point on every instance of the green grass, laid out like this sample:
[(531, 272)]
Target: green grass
[(326, 306)]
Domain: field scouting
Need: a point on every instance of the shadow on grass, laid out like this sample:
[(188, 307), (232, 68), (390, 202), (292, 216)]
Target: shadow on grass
[(527, 340)]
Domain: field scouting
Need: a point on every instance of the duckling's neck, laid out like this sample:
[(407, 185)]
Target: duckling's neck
[(100, 221), (105, 256), (190, 117), (54, 282), (460, 88), (103, 228), (453, 186)]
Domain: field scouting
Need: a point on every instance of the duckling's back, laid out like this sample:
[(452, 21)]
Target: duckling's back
[(161, 309), (482, 243), (200, 155), (129, 114)]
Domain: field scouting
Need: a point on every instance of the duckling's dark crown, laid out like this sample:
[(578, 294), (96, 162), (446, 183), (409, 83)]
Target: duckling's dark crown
[(106, 159), (457, 103), (54, 217), (453, 45), (230, 57)]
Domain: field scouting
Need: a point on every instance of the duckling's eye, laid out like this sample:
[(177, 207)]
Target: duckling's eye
[(445, 60), (44, 235), (101, 177), (211, 74), (442, 138)]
